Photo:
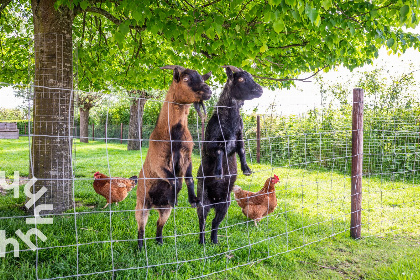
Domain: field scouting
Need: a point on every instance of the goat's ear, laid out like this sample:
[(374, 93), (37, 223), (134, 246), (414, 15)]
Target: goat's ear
[(206, 76), (229, 73), (176, 75)]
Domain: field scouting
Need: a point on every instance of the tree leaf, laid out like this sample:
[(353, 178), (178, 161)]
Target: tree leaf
[(278, 26), (264, 48), (274, 2), (403, 12), (137, 15), (124, 27), (318, 20), (295, 15), (210, 33), (312, 13), (352, 31), (218, 28), (291, 3), (267, 15), (326, 4), (84, 4), (390, 42)]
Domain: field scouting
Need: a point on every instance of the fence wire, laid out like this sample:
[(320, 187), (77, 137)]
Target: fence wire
[(310, 153)]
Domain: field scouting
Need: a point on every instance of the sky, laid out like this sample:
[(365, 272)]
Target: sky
[(8, 99), (305, 96)]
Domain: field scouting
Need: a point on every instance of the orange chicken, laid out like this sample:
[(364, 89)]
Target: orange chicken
[(113, 189), (256, 205)]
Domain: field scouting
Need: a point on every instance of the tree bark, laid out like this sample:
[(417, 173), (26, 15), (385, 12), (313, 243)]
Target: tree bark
[(84, 125), (136, 124), (51, 154)]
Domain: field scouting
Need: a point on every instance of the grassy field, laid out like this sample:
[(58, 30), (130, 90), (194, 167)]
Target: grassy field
[(306, 237)]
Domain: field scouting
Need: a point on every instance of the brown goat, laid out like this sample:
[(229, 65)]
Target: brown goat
[(168, 159)]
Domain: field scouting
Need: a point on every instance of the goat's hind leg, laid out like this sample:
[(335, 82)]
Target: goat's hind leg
[(142, 214), (202, 212), (164, 214), (221, 210)]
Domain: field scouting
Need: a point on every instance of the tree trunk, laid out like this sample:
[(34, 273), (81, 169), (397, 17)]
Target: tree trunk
[(84, 125), (51, 152), (136, 124)]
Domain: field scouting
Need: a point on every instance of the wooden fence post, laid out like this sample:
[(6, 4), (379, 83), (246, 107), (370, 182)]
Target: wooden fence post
[(121, 135), (357, 164), (258, 139), (93, 132)]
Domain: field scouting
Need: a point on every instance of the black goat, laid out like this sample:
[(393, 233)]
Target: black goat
[(223, 138)]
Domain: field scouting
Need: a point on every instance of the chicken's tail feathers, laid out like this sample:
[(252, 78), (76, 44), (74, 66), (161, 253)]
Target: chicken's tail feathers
[(134, 178)]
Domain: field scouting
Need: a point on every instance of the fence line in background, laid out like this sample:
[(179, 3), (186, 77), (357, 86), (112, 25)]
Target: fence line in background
[(296, 153)]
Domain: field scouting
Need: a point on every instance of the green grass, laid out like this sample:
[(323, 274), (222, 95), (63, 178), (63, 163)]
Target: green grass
[(294, 242)]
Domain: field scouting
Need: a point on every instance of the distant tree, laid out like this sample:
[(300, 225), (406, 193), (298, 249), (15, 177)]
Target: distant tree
[(138, 100), (85, 102), (390, 90)]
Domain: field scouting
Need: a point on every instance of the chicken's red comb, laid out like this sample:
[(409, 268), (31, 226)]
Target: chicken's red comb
[(276, 177), (96, 173)]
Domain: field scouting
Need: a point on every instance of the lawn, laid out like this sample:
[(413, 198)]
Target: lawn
[(306, 237)]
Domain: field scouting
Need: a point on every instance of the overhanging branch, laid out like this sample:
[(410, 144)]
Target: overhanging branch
[(303, 44), (209, 4), (3, 4), (112, 18), (105, 14), (291, 79)]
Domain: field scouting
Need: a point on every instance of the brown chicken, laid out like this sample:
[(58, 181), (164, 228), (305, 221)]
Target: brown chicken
[(119, 187), (256, 205)]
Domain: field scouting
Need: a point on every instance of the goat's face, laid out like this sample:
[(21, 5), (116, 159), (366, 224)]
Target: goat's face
[(191, 86), (242, 85)]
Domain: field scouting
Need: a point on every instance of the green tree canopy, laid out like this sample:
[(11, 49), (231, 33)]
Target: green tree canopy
[(272, 39), (16, 35), (122, 43)]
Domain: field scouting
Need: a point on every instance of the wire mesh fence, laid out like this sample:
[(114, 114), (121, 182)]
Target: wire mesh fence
[(310, 153)]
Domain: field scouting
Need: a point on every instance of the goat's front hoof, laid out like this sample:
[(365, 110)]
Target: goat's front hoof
[(195, 202), (247, 171)]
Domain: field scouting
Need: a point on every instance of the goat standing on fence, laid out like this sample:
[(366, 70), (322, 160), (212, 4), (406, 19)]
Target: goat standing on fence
[(217, 174), (168, 159)]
